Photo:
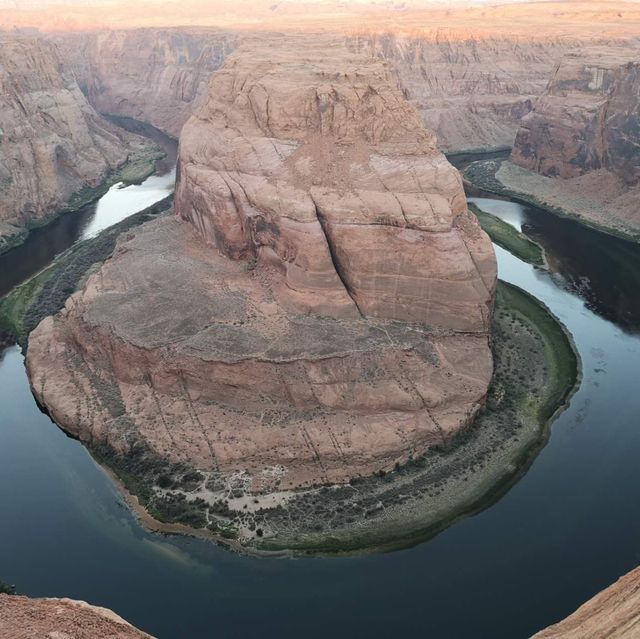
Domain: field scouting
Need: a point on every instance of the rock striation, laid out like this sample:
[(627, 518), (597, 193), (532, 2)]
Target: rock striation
[(158, 76), (318, 310), (613, 613), (52, 142), (25, 618)]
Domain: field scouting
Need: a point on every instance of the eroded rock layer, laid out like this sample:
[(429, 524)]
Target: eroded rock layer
[(24, 618), (52, 142), (322, 309)]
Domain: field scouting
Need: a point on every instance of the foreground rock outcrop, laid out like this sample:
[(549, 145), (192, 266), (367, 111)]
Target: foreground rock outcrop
[(321, 311), (614, 613), (584, 132), (25, 618), (52, 142)]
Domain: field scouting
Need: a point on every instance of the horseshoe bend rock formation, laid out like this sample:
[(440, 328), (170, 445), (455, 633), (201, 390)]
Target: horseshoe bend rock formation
[(319, 307), (156, 75), (25, 618)]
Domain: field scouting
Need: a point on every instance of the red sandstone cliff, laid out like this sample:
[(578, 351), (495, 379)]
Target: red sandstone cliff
[(580, 145), (588, 118)]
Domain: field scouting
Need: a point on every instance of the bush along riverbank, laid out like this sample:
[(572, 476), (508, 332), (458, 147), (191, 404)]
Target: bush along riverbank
[(46, 293), (140, 165), (509, 238), (536, 369), (544, 193)]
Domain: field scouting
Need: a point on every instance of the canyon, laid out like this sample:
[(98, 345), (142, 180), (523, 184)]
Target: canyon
[(54, 148), (303, 351), (159, 76)]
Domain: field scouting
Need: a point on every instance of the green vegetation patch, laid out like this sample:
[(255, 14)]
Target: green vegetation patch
[(158, 484), (508, 237), (46, 293)]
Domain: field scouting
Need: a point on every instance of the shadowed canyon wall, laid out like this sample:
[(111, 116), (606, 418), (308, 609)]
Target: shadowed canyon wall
[(579, 148), (588, 118)]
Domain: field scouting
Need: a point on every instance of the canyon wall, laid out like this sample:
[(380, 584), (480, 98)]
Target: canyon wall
[(155, 75), (471, 90), (321, 308), (588, 118), (613, 613), (25, 618), (52, 142)]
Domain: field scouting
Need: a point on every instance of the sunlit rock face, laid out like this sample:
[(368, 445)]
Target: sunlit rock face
[(319, 307), (52, 142), (319, 168)]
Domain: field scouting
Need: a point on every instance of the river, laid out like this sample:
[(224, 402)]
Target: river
[(567, 529)]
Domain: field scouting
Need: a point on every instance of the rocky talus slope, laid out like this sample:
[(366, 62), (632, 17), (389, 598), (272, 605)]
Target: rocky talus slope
[(52, 142), (614, 613), (24, 618), (318, 310), (158, 76), (584, 133)]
